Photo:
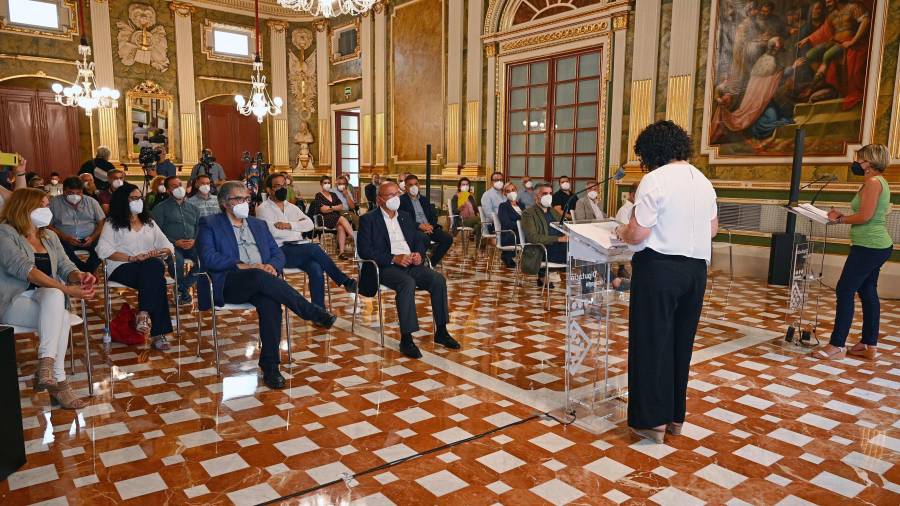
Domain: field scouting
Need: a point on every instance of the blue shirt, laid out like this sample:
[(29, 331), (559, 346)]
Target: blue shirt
[(166, 168), (550, 222), (490, 202), (526, 198), (421, 219)]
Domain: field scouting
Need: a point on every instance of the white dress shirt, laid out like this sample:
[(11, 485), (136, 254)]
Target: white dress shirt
[(269, 212), (129, 242), (598, 214), (677, 203), (399, 245)]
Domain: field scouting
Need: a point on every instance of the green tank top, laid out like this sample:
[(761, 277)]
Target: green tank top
[(873, 233)]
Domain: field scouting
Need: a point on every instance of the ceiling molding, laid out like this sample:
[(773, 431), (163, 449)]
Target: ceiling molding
[(268, 9)]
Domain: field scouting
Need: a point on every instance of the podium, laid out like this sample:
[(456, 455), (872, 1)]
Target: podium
[(802, 322), (595, 398)]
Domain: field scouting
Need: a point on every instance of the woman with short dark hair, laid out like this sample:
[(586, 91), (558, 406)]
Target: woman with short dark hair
[(331, 207), (671, 228)]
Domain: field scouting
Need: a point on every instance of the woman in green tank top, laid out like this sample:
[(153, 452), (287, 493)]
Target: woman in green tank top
[(870, 248)]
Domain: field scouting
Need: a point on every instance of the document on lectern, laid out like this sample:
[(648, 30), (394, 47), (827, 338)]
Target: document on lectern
[(602, 234), (812, 212)]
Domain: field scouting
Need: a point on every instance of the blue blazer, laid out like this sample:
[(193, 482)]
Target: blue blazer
[(374, 243), (508, 218), (406, 206), (217, 249)]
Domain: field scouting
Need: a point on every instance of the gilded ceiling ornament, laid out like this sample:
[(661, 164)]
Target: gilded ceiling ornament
[(277, 25), (490, 50), (620, 22), (182, 9), (568, 34), (141, 40), (302, 38), (321, 25)]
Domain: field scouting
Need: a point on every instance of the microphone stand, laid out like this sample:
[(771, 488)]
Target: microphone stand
[(816, 196), (617, 176)]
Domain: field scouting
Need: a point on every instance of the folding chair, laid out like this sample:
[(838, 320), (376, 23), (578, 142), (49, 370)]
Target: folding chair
[(464, 231), (484, 231), (515, 247)]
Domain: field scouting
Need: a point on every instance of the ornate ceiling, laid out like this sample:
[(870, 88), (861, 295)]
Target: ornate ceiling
[(267, 8)]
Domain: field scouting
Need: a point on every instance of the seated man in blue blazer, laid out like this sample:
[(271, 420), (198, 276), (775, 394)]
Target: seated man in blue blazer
[(416, 205), (389, 237), (243, 261)]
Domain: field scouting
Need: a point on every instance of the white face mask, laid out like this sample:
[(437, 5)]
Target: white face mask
[(342, 187), (414, 190), (73, 199), (565, 186), (529, 184), (41, 217), (546, 200), (204, 189), (136, 206), (160, 189), (402, 185), (464, 188), (241, 210), (326, 187), (178, 193), (498, 185), (117, 183), (393, 203), (54, 181), (512, 196), (592, 195)]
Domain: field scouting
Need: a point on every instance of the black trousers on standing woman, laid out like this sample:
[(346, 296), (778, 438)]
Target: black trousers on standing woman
[(666, 301)]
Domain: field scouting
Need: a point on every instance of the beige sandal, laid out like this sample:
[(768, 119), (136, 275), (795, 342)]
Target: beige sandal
[(837, 353), (142, 322), (63, 396), (867, 351), (674, 428), (43, 376)]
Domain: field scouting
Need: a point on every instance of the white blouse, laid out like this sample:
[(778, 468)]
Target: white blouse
[(269, 212), (677, 203), (125, 240)]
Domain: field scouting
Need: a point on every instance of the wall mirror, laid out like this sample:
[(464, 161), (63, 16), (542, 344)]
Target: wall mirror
[(149, 113)]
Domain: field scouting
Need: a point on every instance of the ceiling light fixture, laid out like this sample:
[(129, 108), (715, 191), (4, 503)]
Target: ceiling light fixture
[(260, 103), (329, 8)]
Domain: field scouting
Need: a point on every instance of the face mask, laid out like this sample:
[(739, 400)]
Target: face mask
[(281, 194), (326, 187), (592, 195), (414, 190), (402, 185), (160, 189), (546, 200), (73, 199), (464, 188), (178, 193), (54, 181), (41, 217), (512, 196), (529, 184), (204, 189), (117, 183), (342, 187), (857, 169), (565, 186), (241, 210), (393, 203), (136, 206), (498, 185)]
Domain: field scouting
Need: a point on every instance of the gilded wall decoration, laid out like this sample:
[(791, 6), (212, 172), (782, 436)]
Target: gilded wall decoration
[(304, 93), (141, 40), (776, 67)]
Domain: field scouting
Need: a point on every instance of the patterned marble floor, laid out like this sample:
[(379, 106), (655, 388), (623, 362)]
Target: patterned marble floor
[(767, 425)]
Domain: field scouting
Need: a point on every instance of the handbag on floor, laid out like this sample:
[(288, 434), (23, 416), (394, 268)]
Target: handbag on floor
[(121, 328)]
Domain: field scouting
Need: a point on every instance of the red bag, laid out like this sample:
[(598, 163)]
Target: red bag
[(121, 328)]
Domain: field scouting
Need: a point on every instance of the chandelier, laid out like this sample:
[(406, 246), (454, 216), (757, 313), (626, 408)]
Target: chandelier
[(329, 8), (84, 92), (260, 103)]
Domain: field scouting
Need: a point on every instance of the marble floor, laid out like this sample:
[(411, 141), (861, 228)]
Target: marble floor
[(361, 424)]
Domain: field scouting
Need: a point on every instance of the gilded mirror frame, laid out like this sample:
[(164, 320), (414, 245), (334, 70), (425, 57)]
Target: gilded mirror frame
[(150, 89)]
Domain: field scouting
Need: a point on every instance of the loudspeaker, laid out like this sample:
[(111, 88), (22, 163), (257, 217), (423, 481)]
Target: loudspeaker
[(781, 252), (12, 440)]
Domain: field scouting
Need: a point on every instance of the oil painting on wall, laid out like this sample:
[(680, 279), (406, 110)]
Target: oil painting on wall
[(779, 66)]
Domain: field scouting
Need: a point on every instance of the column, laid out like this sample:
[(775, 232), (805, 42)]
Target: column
[(643, 73), (101, 46), (324, 95), (617, 89), (380, 75), (277, 35), (187, 100), (474, 61), (453, 127), (368, 102), (490, 160), (682, 61)]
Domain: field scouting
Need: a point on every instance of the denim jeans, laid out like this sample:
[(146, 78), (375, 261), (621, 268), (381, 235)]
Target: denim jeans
[(860, 275)]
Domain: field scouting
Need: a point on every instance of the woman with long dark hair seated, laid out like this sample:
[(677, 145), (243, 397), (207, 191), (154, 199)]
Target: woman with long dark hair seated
[(135, 250)]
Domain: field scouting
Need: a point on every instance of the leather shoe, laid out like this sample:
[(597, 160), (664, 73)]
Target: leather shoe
[(273, 379), (444, 339), (326, 322), (350, 285), (410, 349)]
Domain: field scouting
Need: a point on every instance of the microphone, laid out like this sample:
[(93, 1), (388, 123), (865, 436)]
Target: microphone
[(831, 178), (620, 173)]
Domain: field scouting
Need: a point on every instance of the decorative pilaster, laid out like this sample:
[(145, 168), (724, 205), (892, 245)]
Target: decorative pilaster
[(620, 28), (101, 46), (380, 75), (366, 46), (682, 65), (643, 73), (474, 87), (322, 74), (490, 161), (455, 39), (280, 138), (187, 100)]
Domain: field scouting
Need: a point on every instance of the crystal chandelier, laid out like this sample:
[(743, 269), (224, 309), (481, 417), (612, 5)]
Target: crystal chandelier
[(329, 8), (260, 103), (84, 92)]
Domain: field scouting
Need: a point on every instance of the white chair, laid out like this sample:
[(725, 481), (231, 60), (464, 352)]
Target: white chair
[(720, 245), (464, 231), (484, 231), (171, 281), (514, 247), (545, 265)]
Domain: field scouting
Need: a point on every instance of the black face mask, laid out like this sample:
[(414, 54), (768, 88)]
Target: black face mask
[(857, 169), (281, 194)]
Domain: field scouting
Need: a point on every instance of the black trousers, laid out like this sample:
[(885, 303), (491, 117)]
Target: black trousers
[(443, 241), (149, 279), (92, 262), (404, 281), (268, 293), (666, 301), (860, 275)]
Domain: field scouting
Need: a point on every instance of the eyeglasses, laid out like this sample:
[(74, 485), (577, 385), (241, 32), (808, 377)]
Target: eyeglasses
[(238, 200)]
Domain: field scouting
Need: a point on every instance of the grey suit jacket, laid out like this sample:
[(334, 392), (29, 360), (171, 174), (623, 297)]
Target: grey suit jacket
[(583, 211), (17, 260)]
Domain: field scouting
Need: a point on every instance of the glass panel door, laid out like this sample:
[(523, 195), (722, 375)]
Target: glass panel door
[(347, 152)]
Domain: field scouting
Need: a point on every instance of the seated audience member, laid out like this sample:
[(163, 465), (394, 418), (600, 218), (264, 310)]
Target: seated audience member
[(135, 249), (390, 238), (287, 223), (289, 186), (623, 215), (589, 209), (18, 181), (8, 181), (509, 213), (371, 191), (492, 198), (179, 219), (54, 187), (98, 167), (401, 181), (156, 192), (562, 196), (413, 203), (330, 207), (35, 279), (536, 222), (116, 179), (243, 261), (203, 198), (34, 180), (345, 194), (526, 196), (90, 188), (463, 208), (78, 222)]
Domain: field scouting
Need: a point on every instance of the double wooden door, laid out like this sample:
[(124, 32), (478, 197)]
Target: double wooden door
[(44, 132), (228, 134)]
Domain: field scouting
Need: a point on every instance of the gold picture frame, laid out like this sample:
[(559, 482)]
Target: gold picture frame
[(334, 33), (144, 94)]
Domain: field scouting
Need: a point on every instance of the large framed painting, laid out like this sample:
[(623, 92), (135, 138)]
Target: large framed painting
[(774, 67)]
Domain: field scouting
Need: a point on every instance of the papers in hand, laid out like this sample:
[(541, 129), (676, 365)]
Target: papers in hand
[(812, 212)]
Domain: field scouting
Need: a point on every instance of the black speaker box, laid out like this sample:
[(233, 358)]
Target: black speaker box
[(781, 252)]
